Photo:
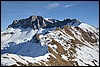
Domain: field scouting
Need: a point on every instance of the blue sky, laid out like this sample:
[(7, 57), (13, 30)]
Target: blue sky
[(86, 11)]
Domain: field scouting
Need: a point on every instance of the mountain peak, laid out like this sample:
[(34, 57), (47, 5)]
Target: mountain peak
[(37, 22), (35, 17)]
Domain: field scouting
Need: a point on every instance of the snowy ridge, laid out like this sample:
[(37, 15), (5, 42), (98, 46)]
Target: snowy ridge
[(62, 43)]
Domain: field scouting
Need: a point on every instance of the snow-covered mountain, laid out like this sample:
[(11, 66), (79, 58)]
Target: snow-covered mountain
[(38, 41)]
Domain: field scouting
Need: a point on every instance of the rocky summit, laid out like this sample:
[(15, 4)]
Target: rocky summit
[(37, 22), (38, 41)]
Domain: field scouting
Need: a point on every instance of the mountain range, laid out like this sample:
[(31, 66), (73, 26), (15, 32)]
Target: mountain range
[(39, 41)]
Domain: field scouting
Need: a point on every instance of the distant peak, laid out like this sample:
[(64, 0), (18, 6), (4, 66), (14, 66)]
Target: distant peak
[(37, 22)]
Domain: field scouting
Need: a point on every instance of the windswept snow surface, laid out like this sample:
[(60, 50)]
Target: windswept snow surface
[(20, 35), (10, 59), (86, 54), (87, 27)]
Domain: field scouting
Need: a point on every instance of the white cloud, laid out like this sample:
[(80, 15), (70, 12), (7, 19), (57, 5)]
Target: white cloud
[(53, 5), (68, 5)]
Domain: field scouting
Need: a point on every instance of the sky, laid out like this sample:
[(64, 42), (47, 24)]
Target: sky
[(85, 11)]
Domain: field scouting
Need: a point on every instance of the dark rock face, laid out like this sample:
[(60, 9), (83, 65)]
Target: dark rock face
[(37, 22)]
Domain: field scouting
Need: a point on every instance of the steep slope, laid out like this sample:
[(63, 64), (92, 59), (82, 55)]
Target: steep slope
[(38, 41)]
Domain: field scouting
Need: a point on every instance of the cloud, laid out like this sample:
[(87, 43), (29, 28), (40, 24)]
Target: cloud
[(53, 5), (68, 5)]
